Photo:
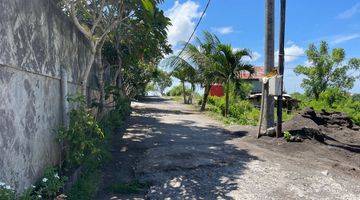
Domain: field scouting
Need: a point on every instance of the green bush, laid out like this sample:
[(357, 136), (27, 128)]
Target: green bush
[(51, 183), (333, 99), (178, 91), (116, 117), (83, 139), (48, 187), (86, 186), (287, 136), (6, 192), (128, 188), (355, 97), (87, 141), (241, 111), (244, 112)]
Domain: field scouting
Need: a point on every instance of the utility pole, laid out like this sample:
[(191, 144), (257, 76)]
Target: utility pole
[(268, 101), (281, 66)]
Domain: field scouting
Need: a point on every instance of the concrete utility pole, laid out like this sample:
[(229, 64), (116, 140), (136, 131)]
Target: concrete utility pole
[(281, 66), (268, 101)]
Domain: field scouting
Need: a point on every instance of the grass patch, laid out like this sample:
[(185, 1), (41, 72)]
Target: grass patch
[(86, 187), (177, 98), (128, 188), (242, 112)]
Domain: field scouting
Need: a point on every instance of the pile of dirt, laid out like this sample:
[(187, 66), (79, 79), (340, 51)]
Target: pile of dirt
[(310, 124)]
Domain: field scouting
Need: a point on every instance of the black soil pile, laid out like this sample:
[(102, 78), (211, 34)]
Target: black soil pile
[(309, 124)]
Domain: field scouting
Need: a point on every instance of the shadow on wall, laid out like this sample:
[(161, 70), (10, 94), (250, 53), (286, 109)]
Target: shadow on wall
[(183, 159)]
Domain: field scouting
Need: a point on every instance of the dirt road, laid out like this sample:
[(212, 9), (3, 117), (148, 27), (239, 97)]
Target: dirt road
[(183, 154)]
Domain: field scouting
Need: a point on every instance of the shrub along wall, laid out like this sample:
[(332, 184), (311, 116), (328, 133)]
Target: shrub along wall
[(36, 40)]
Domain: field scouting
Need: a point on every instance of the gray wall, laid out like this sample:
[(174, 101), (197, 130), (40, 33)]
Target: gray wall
[(36, 40)]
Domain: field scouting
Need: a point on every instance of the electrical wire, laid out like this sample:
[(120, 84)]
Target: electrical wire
[(192, 34)]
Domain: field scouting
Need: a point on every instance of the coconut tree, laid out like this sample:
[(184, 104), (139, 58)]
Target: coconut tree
[(201, 55), (184, 71), (228, 63)]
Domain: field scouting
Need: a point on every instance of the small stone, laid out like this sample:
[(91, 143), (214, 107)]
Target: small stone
[(326, 172), (175, 183), (298, 139), (271, 132), (292, 139)]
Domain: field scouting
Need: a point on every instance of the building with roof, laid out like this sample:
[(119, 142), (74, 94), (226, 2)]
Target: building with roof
[(254, 79)]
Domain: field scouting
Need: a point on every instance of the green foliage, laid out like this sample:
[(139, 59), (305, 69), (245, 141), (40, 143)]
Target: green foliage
[(242, 89), (177, 91), (333, 96), (86, 186), (48, 187), (6, 192), (137, 77), (92, 142), (212, 62), (356, 97), (28, 194), (84, 138), (244, 112), (287, 136), (161, 81), (148, 5), (241, 111), (115, 118), (128, 188), (183, 70), (201, 54), (50, 184), (326, 70), (333, 99), (228, 62), (134, 50)]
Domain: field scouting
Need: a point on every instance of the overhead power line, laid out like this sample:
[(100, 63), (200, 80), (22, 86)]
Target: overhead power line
[(192, 34)]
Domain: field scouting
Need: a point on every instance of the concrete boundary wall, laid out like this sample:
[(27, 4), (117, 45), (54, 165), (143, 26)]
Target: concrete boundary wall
[(36, 41)]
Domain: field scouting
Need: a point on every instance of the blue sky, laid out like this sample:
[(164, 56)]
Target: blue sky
[(241, 24)]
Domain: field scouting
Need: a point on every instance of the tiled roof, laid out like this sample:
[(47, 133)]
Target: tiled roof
[(258, 74)]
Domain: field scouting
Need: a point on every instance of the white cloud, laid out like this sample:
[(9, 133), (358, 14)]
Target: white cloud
[(308, 63), (183, 19), (290, 42), (254, 57), (344, 38), (292, 53), (224, 30), (350, 12)]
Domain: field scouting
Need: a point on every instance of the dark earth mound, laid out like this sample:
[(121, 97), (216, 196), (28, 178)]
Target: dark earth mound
[(310, 124)]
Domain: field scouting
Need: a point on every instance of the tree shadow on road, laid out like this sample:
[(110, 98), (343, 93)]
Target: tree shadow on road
[(182, 159)]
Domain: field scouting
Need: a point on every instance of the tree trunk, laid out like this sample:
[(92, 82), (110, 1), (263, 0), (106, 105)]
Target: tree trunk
[(205, 97), (118, 75), (227, 91), (317, 96), (119, 78), (85, 76), (191, 97), (98, 61), (184, 91)]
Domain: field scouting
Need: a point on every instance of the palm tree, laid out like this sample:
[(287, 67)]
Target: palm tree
[(201, 55), (228, 62), (183, 71)]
